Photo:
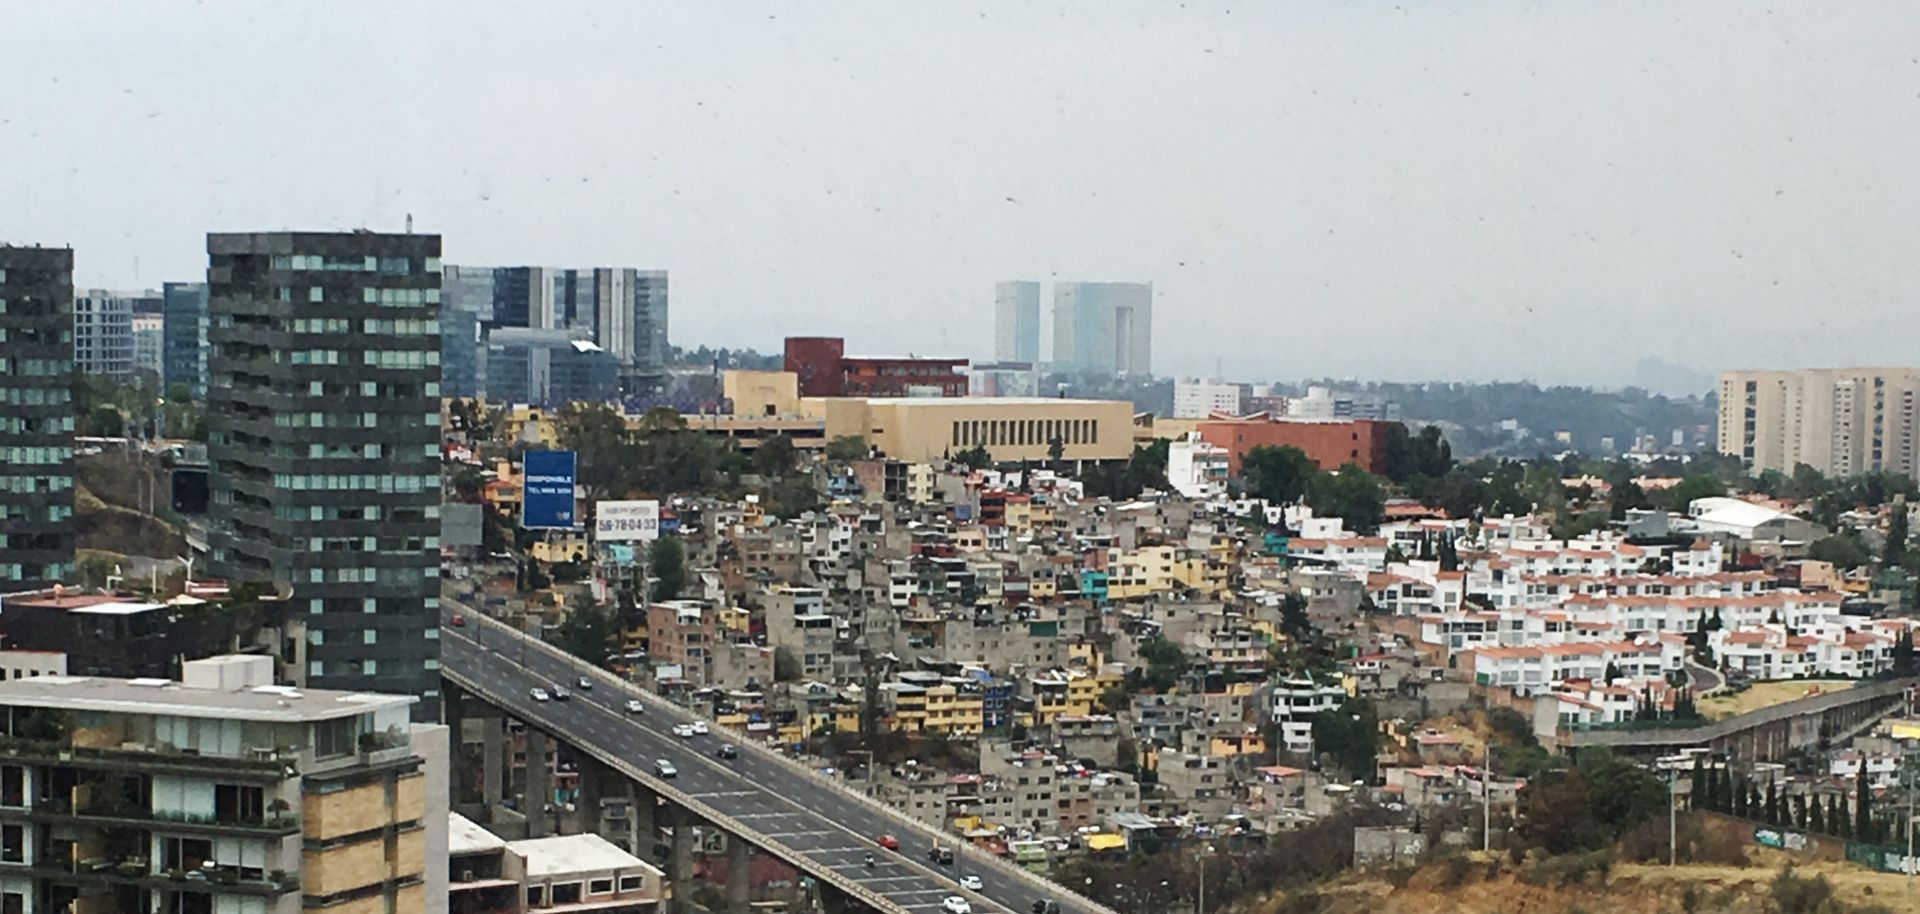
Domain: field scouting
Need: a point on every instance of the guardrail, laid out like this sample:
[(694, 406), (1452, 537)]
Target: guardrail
[(681, 798), (1712, 730), (963, 848)]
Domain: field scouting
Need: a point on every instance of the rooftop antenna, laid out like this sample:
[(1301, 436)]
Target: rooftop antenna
[(409, 223)]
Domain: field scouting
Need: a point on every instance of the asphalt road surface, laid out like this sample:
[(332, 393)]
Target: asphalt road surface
[(791, 806), (1704, 679)]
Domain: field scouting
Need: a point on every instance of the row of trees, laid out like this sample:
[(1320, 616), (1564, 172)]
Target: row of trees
[(1720, 790), (1286, 475)]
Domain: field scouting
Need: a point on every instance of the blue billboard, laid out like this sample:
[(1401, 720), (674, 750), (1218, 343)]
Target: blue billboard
[(548, 496)]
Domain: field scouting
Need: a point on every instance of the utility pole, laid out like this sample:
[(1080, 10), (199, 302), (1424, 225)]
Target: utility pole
[(1486, 799), (1673, 817)]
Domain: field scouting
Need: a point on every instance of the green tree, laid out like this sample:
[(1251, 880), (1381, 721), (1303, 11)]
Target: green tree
[(1353, 495), (105, 421), (1896, 546), (1166, 664), (1690, 488), (667, 564), (1280, 475), (604, 452), (847, 447), (786, 665), (1350, 734), (589, 632), (1846, 550), (976, 457), (1863, 821), (774, 457)]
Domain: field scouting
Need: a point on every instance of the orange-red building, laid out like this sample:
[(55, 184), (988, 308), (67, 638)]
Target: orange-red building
[(825, 370), (1329, 444)]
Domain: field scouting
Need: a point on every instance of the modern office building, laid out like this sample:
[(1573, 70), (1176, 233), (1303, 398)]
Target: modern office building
[(1840, 421), (323, 416), (549, 367), (1016, 321), (222, 792), (184, 310), (1194, 398), (149, 344), (1103, 327), (621, 309), (36, 417), (1003, 379), (103, 333)]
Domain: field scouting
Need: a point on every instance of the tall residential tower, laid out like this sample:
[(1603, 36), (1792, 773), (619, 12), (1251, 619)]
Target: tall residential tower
[(36, 417), (1840, 421), (1016, 321), (1103, 327), (323, 416)]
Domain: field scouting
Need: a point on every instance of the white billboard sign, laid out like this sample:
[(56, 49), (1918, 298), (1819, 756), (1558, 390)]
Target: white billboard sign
[(626, 521)]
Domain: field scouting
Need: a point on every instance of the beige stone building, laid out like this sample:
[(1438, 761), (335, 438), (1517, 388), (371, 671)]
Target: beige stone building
[(220, 793), (918, 429), (1840, 421)]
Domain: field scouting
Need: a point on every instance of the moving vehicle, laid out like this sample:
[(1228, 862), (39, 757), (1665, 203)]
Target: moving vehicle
[(970, 882), (459, 621), (1045, 906), (684, 731), (869, 859), (664, 768), (941, 854), (585, 684), (727, 752), (699, 728), (888, 841), (539, 694), (635, 707), (954, 904), (560, 692)]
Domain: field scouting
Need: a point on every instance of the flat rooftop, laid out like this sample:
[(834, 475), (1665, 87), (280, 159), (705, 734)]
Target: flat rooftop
[(965, 402), (271, 703), (570, 855), (465, 836)]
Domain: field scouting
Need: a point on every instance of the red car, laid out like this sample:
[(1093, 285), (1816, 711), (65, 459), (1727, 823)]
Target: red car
[(889, 842), (459, 621)]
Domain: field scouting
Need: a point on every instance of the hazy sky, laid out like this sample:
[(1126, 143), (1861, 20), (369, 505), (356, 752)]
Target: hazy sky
[(1432, 190)]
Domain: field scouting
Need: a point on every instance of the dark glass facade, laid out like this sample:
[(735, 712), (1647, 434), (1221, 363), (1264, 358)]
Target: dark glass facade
[(324, 436), (36, 417), (184, 346)]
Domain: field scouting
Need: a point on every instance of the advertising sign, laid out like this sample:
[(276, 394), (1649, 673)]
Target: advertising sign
[(548, 498), (626, 521)]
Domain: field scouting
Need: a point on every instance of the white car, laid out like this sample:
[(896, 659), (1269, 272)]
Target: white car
[(970, 882), (635, 707), (684, 731), (954, 904), (664, 768), (539, 694), (699, 727)]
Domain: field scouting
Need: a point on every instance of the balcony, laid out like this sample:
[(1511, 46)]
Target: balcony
[(135, 871), (127, 815), (266, 766)]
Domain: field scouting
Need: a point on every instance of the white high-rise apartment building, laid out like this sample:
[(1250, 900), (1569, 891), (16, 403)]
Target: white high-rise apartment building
[(1194, 398), (1103, 327), (1839, 421)]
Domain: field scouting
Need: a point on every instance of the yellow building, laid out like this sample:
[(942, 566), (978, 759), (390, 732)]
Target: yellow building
[(762, 393), (954, 713), (1010, 428), (561, 546)]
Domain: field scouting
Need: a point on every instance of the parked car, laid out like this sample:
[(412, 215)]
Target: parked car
[(954, 904), (539, 694), (635, 707), (664, 768)]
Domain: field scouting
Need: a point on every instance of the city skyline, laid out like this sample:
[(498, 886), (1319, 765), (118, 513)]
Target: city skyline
[(1721, 190)]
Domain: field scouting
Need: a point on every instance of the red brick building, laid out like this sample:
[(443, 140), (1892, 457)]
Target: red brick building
[(1329, 444), (825, 370)]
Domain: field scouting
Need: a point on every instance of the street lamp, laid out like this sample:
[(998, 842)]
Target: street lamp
[(1673, 763), (1201, 905)]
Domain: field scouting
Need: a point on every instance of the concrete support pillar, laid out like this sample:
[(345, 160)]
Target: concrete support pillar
[(539, 797), (680, 861), (493, 761), (834, 901), (587, 807), (739, 875), (643, 818)]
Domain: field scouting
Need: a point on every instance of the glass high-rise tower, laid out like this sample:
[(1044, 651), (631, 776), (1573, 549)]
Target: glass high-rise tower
[(324, 444), (36, 417)]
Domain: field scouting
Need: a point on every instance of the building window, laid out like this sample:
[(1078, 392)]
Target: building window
[(600, 887), (632, 883)]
